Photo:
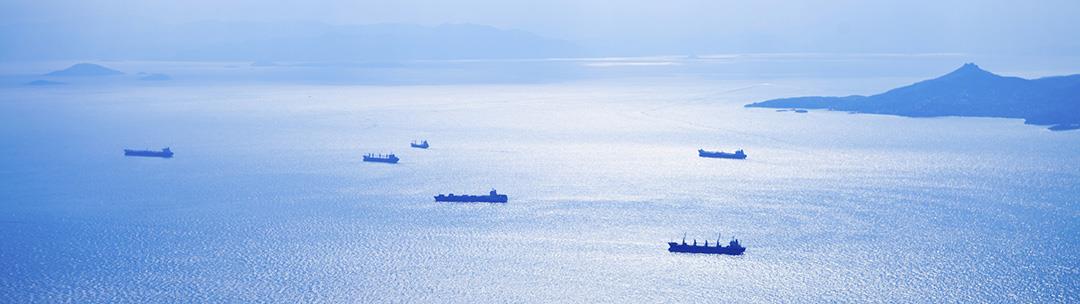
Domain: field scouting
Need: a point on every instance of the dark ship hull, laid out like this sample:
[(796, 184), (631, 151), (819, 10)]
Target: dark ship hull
[(709, 154), (493, 197), (419, 146), (164, 153), (377, 159), (472, 198), (730, 250)]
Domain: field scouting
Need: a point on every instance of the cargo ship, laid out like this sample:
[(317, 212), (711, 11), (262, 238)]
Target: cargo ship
[(422, 145), (164, 153), (492, 197), (733, 247), (379, 158), (721, 154)]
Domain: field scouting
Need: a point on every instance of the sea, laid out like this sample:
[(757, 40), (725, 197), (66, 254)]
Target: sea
[(267, 199)]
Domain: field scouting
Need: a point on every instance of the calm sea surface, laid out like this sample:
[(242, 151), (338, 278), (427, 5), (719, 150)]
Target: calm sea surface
[(267, 199)]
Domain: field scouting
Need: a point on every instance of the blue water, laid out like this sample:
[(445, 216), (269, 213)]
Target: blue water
[(267, 199)]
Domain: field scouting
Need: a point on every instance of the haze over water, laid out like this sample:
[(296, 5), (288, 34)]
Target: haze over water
[(267, 200)]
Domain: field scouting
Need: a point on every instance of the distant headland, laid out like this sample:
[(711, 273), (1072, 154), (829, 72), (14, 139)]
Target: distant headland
[(85, 69), (969, 91)]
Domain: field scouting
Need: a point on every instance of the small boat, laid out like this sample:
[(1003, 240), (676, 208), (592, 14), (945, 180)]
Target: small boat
[(422, 145), (492, 197), (800, 111), (164, 153), (721, 154), (379, 158), (733, 247)]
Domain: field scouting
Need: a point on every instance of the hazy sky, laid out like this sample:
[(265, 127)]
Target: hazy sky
[(670, 26)]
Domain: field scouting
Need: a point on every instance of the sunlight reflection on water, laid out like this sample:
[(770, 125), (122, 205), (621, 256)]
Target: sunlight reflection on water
[(267, 199)]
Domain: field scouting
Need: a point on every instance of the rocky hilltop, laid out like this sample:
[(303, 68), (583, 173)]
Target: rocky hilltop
[(968, 91)]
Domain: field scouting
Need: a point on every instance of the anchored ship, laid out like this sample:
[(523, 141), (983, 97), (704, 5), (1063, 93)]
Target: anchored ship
[(492, 197), (733, 247), (379, 158), (721, 154), (164, 153), (422, 145)]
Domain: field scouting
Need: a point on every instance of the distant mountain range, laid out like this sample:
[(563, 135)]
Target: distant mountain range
[(968, 91), (276, 41)]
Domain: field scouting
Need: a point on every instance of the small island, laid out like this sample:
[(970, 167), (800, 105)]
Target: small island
[(41, 82), (968, 92), (85, 69)]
